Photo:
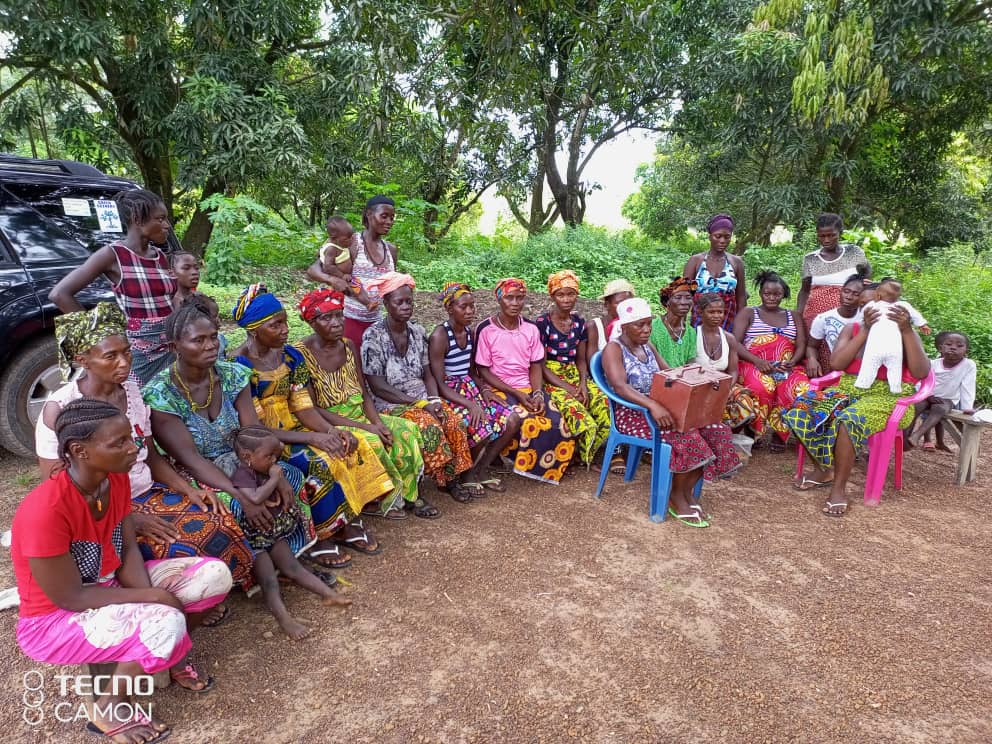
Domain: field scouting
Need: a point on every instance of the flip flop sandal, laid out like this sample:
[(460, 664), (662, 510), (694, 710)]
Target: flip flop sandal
[(329, 579), (189, 672), (493, 484), (830, 505), (421, 508), (928, 447), (618, 465), (698, 522), (225, 613), (139, 719), (698, 508), (352, 543), (394, 513), (808, 484), (333, 550)]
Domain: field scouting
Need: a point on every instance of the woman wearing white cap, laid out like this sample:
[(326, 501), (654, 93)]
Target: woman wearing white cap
[(630, 363), (615, 292)]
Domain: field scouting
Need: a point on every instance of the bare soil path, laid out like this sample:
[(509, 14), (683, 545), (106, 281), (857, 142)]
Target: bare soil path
[(544, 615)]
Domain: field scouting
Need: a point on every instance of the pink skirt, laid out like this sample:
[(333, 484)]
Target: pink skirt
[(154, 635)]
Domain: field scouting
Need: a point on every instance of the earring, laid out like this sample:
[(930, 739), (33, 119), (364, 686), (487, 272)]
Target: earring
[(249, 462)]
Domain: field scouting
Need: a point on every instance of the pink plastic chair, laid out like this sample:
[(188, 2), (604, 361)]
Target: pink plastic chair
[(880, 445)]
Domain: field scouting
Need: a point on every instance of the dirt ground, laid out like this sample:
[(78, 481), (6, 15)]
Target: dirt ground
[(544, 615)]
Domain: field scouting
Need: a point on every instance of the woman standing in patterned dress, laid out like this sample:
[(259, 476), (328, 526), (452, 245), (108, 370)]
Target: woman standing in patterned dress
[(719, 271), (140, 275)]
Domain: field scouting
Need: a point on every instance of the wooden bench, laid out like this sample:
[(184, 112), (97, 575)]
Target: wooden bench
[(968, 434)]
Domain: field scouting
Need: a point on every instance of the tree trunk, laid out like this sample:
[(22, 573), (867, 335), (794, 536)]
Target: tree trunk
[(197, 235)]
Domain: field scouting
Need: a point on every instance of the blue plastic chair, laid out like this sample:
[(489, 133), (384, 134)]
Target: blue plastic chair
[(661, 476)]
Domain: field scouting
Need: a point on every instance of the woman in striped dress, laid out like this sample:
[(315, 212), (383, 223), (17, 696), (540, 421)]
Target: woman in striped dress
[(141, 277), (774, 343), (371, 257), (492, 425)]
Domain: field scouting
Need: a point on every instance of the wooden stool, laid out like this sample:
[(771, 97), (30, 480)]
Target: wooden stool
[(968, 434)]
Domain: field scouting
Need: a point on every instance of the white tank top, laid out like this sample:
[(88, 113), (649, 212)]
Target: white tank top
[(363, 268), (703, 359)]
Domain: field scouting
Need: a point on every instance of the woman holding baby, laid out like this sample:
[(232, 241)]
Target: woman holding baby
[(834, 424)]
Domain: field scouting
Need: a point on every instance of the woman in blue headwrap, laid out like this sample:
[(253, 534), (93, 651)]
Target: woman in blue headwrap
[(283, 397)]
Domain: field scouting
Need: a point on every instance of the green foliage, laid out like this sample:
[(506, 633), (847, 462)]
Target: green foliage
[(248, 234)]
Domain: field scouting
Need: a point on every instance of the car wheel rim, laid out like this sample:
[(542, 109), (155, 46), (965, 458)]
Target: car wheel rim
[(43, 385)]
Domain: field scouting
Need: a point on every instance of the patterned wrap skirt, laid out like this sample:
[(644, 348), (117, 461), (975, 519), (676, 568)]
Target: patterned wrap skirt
[(443, 441), (201, 533), (816, 414), (497, 414), (772, 393), (403, 462), (544, 447), (590, 423), (710, 447)]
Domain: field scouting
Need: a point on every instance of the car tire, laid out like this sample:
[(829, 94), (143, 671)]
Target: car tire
[(29, 379)]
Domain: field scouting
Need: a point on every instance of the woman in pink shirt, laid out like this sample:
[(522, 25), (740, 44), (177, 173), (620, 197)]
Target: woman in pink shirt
[(508, 354)]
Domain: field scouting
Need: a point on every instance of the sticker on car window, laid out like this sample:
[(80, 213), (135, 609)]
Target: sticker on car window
[(110, 219), (76, 207)]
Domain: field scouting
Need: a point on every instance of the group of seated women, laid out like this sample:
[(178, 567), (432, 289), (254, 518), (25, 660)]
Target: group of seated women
[(173, 470)]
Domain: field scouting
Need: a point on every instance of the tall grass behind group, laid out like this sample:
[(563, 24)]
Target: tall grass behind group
[(951, 286)]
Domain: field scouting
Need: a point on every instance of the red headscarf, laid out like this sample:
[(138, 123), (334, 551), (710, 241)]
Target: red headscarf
[(510, 284), (320, 301), (390, 282)]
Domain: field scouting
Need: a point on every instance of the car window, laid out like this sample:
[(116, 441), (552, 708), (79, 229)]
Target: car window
[(46, 200)]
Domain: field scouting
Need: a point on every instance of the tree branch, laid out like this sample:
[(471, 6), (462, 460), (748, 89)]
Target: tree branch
[(13, 88)]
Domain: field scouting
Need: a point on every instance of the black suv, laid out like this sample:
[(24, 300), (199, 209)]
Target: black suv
[(44, 234)]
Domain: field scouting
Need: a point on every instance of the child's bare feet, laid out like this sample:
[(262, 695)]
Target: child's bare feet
[(293, 627), (335, 601)]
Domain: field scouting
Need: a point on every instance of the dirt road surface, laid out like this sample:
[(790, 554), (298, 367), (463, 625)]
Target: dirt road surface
[(543, 615)]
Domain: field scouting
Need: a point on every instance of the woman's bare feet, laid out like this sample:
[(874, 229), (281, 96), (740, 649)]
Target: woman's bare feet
[(336, 600)]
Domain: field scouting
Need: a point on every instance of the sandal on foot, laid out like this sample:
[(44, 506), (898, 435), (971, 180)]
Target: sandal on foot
[(343, 559), (189, 673), (697, 518), (618, 465), (698, 508), (493, 484), (808, 484), (355, 541), (421, 508), (463, 492), (139, 719), (225, 613), (393, 513), (928, 447), (832, 505)]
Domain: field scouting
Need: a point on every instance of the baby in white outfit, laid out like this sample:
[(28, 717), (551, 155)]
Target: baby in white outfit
[(884, 345)]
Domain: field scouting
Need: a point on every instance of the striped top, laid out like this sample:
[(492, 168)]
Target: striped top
[(456, 359), (363, 269), (145, 289), (760, 328)]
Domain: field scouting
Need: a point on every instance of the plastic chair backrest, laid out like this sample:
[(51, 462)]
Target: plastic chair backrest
[(599, 377)]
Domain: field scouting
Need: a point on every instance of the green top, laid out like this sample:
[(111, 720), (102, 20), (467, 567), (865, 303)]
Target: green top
[(675, 353)]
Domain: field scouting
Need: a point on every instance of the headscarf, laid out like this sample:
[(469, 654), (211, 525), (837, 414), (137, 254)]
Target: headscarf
[(452, 291), (678, 284), (390, 282), (255, 306), (320, 301), (630, 311), (564, 279), (720, 221), (510, 284), (77, 333)]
